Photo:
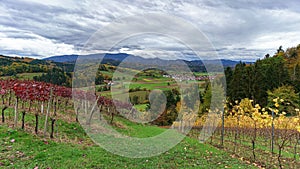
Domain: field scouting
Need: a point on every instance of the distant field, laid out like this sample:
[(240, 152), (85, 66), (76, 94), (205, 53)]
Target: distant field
[(149, 80), (153, 79), (200, 73), (152, 86), (28, 75), (107, 73), (142, 95), (141, 107), (205, 73), (24, 76)]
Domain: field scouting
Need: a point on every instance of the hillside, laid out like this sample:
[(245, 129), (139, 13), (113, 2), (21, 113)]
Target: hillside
[(35, 69), (23, 150), (10, 66)]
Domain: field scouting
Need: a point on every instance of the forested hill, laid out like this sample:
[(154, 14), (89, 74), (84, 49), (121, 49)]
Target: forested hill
[(10, 66), (40, 70), (279, 74)]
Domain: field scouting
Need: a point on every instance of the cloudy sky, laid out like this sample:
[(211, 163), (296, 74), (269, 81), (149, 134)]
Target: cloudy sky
[(238, 30)]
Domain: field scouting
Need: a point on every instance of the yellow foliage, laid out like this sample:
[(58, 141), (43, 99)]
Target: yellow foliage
[(244, 114)]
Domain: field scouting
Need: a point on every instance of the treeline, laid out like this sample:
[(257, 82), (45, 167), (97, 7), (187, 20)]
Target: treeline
[(258, 80), (55, 76), (170, 113), (11, 68)]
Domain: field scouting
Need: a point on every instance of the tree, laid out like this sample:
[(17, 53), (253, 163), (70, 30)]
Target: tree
[(99, 78), (135, 100), (237, 86), (279, 49), (253, 81), (296, 78), (288, 98), (267, 56), (169, 112), (228, 75), (205, 105), (55, 76)]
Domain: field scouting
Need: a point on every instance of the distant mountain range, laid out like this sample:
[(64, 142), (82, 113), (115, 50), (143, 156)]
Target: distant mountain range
[(67, 62), (115, 59)]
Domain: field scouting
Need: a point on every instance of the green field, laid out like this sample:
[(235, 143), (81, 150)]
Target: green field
[(152, 85), (141, 107), (23, 76), (107, 73)]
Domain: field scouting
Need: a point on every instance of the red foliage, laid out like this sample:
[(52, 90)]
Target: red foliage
[(32, 90)]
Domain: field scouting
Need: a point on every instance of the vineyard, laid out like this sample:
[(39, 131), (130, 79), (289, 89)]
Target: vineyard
[(30, 98), (44, 101), (49, 102), (265, 136), (47, 111)]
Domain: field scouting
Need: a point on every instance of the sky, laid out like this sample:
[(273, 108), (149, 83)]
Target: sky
[(238, 30)]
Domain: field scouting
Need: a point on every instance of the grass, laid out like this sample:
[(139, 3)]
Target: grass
[(152, 86), (149, 82), (141, 107), (20, 149), (201, 73), (153, 79), (23, 76), (107, 73), (64, 131), (28, 151), (243, 148), (137, 130), (28, 75)]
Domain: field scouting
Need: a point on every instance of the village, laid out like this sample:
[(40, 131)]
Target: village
[(189, 77)]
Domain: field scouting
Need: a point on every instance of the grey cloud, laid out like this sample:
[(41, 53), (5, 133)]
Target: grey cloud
[(44, 20), (235, 28)]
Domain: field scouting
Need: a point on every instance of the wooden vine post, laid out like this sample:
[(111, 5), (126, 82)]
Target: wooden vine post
[(16, 113), (47, 113)]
